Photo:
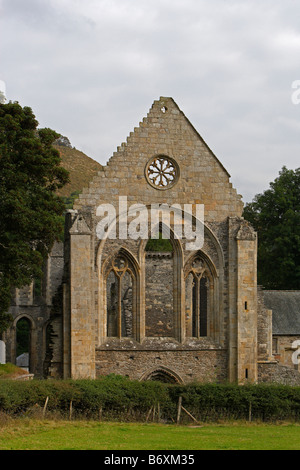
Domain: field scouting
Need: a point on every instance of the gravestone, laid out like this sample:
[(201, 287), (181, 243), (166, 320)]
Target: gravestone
[(2, 352)]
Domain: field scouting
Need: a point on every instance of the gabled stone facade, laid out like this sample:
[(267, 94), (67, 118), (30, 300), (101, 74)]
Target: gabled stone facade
[(227, 349), (179, 315)]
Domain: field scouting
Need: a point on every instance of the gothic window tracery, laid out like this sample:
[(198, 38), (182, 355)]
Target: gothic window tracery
[(119, 298), (197, 287)]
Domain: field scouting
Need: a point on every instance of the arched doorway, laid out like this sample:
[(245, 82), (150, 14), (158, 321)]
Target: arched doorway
[(23, 343), (162, 374)]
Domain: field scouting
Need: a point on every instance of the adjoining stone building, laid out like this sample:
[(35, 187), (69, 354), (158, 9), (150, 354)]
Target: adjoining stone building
[(285, 306), (117, 305)]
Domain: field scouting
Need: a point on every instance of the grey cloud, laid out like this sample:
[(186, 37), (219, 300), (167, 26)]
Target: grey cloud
[(92, 69)]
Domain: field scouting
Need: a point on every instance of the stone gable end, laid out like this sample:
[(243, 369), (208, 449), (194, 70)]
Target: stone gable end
[(165, 131)]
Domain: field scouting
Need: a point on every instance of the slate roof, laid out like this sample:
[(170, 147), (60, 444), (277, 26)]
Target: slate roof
[(286, 311)]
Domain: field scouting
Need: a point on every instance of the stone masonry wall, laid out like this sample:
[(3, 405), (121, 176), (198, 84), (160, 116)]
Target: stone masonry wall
[(283, 350), (159, 294), (44, 314), (277, 373), (188, 365)]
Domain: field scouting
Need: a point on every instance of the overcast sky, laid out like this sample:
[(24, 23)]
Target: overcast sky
[(91, 70)]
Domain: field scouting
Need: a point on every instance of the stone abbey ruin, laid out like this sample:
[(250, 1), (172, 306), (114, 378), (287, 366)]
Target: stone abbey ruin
[(131, 306)]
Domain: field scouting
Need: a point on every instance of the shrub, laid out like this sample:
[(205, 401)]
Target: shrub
[(116, 397)]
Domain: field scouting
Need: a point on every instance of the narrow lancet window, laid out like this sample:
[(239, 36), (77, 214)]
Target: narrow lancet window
[(197, 299), (120, 306)]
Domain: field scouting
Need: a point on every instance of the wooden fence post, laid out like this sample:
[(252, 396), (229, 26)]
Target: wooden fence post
[(45, 407), (179, 409), (149, 413)]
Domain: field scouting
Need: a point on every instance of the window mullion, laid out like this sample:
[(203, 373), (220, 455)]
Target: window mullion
[(197, 306), (119, 321)]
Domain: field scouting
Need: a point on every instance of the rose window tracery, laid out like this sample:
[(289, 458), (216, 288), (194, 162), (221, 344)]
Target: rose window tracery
[(162, 172)]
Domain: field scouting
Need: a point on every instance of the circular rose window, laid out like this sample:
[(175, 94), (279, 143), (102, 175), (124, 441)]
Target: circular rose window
[(162, 172)]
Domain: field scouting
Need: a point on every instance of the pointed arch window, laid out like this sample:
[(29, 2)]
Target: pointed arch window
[(197, 287), (120, 293), (163, 288), (23, 343)]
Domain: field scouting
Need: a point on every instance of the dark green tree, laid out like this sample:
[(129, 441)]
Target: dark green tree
[(275, 215), (30, 217)]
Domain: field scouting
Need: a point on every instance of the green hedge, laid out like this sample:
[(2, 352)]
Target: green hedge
[(116, 397), (264, 402)]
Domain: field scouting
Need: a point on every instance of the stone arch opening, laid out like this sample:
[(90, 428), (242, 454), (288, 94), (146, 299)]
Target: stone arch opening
[(162, 374), (162, 262), (23, 343)]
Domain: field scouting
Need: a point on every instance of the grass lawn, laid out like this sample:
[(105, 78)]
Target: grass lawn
[(30, 434)]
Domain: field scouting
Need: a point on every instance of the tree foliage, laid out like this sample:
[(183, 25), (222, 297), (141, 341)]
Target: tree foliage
[(30, 219), (275, 215)]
